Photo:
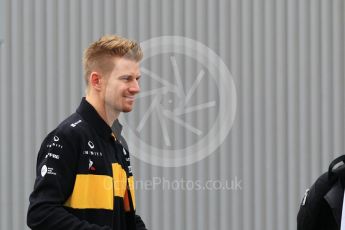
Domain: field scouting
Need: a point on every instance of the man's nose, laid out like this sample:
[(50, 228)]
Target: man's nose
[(134, 88)]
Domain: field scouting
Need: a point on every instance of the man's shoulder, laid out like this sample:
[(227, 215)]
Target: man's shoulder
[(72, 128)]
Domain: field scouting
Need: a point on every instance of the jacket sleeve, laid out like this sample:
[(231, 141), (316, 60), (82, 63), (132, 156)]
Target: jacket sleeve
[(55, 176)]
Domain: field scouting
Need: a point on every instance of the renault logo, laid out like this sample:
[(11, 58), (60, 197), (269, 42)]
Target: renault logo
[(91, 145)]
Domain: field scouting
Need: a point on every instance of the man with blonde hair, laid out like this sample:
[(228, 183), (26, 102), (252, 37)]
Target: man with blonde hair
[(84, 178)]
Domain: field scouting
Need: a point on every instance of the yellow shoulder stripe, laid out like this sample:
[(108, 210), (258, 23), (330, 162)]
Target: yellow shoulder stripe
[(92, 191)]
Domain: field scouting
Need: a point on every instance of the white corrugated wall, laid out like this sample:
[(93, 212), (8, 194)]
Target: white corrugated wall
[(285, 94)]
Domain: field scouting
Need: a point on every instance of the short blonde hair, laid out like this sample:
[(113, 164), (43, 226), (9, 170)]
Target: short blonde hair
[(98, 56)]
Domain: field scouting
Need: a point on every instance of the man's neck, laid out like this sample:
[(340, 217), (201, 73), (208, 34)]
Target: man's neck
[(105, 113)]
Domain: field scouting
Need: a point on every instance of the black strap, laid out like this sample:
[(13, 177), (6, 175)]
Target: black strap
[(334, 163)]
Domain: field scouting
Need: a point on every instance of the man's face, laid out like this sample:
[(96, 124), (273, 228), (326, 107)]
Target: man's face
[(122, 84)]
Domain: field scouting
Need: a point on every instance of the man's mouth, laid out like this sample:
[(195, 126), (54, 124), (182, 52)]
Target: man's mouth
[(130, 98)]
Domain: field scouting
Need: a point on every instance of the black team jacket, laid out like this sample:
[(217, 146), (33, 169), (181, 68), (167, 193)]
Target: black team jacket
[(84, 178), (321, 206)]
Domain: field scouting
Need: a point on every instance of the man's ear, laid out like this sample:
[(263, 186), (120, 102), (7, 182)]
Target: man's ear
[(95, 80)]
